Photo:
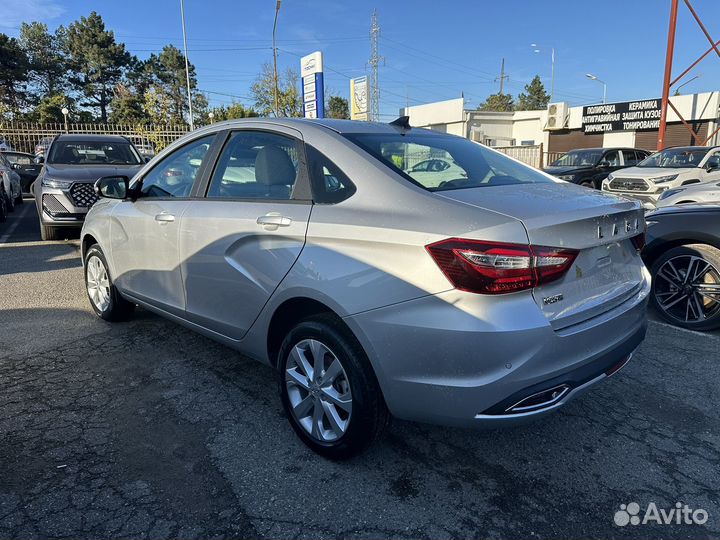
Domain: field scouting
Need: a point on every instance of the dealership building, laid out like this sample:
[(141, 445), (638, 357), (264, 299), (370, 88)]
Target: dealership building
[(560, 128)]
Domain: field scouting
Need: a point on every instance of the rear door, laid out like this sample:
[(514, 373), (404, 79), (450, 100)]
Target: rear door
[(241, 239), (145, 231)]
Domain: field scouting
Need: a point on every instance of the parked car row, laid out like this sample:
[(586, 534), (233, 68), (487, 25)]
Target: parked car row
[(676, 175), (12, 180)]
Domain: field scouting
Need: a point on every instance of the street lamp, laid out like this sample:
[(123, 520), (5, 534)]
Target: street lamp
[(594, 78), (275, 89), (65, 112), (537, 49), (211, 115), (187, 66), (677, 90)]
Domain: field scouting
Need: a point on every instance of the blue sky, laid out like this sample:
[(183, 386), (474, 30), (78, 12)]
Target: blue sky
[(433, 50)]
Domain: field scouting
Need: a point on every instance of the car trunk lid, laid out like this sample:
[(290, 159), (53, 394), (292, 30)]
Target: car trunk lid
[(607, 270)]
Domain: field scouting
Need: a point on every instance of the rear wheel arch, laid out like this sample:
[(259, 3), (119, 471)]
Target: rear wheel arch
[(287, 315), (656, 249)]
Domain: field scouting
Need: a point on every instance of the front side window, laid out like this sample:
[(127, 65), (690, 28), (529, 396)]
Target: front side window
[(613, 158), (93, 153), (256, 165), (674, 158), (458, 163), (175, 174)]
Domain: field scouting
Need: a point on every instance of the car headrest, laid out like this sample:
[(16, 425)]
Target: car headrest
[(273, 167)]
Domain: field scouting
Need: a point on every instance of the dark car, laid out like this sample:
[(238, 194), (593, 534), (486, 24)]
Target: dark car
[(683, 255), (65, 191), (590, 166), (25, 165)]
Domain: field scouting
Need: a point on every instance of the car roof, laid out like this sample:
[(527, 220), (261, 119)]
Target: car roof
[(90, 137), (338, 126), (690, 148), (16, 152), (599, 148)]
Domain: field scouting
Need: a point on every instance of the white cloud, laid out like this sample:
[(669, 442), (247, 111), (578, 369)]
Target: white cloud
[(18, 11)]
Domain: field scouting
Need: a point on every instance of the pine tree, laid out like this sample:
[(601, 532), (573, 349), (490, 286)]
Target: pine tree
[(534, 98)]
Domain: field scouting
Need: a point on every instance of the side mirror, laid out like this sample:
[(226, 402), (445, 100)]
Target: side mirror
[(39, 159), (112, 187), (604, 164), (15, 165), (712, 164)]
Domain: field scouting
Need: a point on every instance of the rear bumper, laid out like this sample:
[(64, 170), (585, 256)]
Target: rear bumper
[(462, 359)]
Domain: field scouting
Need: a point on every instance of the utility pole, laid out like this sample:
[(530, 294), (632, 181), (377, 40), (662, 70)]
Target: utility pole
[(187, 65), (275, 76), (374, 62), (668, 74), (502, 76)]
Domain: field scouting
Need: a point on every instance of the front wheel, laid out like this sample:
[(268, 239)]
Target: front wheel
[(686, 286), (329, 390), (104, 297)]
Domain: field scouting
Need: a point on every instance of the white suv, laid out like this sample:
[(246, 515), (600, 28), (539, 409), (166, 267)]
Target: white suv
[(667, 169)]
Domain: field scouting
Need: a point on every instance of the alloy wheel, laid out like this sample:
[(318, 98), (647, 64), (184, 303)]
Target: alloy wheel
[(98, 283), (687, 288), (318, 390)]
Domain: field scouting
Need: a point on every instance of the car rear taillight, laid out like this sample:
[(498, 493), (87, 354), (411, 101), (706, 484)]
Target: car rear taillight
[(495, 267), (639, 241)]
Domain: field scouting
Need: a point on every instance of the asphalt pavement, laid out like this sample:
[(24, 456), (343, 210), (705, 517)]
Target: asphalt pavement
[(144, 429)]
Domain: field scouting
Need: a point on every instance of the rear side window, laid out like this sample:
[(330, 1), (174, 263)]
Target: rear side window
[(329, 183), (629, 157), (256, 165), (443, 162)]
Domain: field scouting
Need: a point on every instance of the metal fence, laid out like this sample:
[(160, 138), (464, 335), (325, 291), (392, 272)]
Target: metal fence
[(24, 136), (533, 155)]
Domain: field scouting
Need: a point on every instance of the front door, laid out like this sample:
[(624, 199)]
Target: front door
[(145, 231), (238, 243)]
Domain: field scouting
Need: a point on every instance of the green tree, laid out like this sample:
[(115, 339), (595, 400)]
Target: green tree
[(232, 111), (46, 63), (498, 103), (13, 76), (167, 71), (534, 98), (289, 101), (49, 109), (126, 106), (96, 61), (337, 107)]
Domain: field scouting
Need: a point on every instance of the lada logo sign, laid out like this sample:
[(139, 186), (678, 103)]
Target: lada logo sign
[(627, 226)]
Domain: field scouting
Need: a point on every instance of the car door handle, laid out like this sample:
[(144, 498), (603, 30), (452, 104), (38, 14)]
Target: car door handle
[(164, 218), (274, 220)]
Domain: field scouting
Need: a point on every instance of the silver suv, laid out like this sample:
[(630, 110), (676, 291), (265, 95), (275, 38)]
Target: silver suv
[(64, 189), (665, 170), (314, 246)]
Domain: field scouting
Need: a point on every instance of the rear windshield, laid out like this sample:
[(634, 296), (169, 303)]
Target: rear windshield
[(93, 152), (443, 163), (20, 159)]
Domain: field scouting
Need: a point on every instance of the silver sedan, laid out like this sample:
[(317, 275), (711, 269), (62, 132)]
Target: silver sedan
[(486, 299)]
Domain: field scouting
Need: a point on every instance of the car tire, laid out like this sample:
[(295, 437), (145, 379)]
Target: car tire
[(19, 200), (694, 302), (3, 208), (105, 300), (49, 233), (340, 417), (10, 203)]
